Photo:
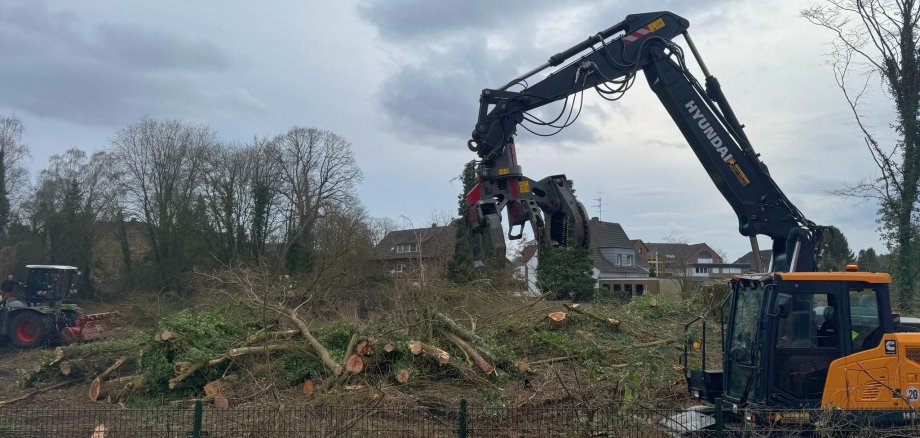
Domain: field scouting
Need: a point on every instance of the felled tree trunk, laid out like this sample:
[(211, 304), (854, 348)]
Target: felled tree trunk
[(484, 365), (220, 386), (439, 355), (100, 389), (609, 322), (402, 376), (321, 351)]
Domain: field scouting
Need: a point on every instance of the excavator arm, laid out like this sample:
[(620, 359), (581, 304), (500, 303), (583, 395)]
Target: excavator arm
[(609, 64)]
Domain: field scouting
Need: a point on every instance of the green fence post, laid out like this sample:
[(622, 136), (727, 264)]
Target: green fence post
[(461, 429), (720, 422), (196, 425)]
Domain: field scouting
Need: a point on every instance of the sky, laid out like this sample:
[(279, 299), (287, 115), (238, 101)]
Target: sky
[(400, 79)]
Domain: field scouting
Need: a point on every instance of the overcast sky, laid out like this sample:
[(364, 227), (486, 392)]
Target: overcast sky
[(401, 80)]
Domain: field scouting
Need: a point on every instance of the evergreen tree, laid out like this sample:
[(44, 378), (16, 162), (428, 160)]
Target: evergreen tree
[(565, 273), (869, 261), (837, 251)]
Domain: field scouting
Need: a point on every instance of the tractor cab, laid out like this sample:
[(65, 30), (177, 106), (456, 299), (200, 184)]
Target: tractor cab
[(780, 332), (49, 284)]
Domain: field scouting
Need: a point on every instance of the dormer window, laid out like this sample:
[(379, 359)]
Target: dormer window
[(406, 247)]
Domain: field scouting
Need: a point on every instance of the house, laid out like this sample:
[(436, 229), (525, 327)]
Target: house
[(416, 254), (525, 268), (766, 256), (618, 266), (697, 261)]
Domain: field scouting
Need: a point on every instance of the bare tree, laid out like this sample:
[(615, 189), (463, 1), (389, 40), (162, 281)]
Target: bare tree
[(162, 163), (68, 200), (14, 177), (380, 227), (317, 172), (879, 39)]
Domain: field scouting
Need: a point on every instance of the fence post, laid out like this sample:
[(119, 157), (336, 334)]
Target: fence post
[(196, 422), (720, 422), (462, 428)]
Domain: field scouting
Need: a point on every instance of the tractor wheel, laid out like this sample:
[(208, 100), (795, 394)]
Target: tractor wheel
[(28, 329)]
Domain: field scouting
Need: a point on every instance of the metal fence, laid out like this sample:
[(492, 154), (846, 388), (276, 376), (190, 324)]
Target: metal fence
[(619, 420)]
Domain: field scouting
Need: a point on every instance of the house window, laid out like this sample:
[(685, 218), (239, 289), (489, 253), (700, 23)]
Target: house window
[(406, 247), (399, 267), (629, 260), (619, 259), (702, 270), (669, 256)]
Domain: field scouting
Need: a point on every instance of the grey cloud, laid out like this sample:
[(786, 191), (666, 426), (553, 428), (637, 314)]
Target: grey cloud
[(432, 97), (105, 73), (401, 20)]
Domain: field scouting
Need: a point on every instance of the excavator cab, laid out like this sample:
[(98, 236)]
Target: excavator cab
[(809, 340)]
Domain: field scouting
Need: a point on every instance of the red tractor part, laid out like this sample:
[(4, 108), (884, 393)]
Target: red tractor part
[(29, 329), (88, 327)]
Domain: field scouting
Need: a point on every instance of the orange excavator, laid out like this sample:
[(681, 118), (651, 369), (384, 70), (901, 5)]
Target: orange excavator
[(791, 338), (43, 317)]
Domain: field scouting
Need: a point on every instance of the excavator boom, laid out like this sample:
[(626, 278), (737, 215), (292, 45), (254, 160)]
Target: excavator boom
[(609, 64)]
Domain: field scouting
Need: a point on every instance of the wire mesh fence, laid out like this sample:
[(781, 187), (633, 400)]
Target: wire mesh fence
[(617, 420)]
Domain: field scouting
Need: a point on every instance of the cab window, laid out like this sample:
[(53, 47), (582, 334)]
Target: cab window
[(865, 328)]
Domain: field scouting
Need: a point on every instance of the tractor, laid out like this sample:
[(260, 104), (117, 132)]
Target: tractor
[(44, 318)]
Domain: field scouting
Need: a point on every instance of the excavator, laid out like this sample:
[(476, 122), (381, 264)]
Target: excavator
[(793, 338)]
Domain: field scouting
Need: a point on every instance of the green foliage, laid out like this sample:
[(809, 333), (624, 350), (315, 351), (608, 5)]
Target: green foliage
[(837, 251), (665, 306), (335, 337), (202, 336), (869, 261), (565, 273)]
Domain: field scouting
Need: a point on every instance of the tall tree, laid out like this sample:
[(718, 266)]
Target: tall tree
[(837, 251), (869, 261), (881, 38), (162, 164), (68, 201), (317, 171), (13, 175)]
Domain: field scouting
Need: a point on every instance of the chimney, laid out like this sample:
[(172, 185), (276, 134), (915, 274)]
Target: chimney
[(434, 225)]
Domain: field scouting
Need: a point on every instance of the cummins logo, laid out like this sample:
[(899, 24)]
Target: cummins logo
[(709, 131)]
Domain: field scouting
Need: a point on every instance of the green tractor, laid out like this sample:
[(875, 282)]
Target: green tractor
[(44, 318)]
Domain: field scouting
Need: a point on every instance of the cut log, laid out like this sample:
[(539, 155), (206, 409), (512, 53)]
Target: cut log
[(317, 346), (418, 347), (365, 348), (67, 368), (59, 353), (221, 402), (483, 364), (354, 365), (179, 367), (118, 363), (556, 320), (458, 329), (166, 336), (100, 389), (220, 386), (354, 387), (239, 351), (402, 375), (308, 387), (389, 348), (609, 322)]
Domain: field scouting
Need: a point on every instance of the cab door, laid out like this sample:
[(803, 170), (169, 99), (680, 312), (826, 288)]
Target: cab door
[(808, 334)]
